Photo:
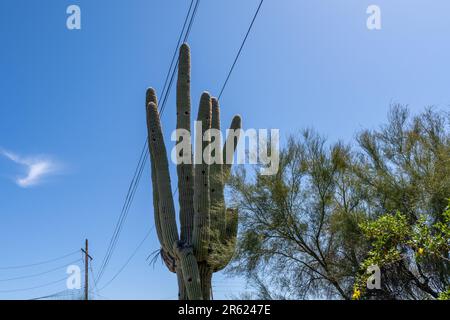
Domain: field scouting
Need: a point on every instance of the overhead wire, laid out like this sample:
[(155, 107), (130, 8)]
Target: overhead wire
[(144, 155), (39, 263), (49, 295), (128, 260), (122, 217), (40, 273), (240, 49), (35, 287), (172, 77)]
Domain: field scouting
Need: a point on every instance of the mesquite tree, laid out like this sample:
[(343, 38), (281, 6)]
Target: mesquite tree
[(208, 229)]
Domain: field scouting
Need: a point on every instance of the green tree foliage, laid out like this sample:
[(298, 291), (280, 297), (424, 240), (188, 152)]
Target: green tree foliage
[(398, 245), (300, 233)]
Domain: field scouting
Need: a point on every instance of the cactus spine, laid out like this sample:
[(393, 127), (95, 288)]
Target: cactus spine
[(207, 228)]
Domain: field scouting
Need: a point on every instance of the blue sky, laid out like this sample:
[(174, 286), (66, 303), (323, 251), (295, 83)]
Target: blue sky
[(72, 107)]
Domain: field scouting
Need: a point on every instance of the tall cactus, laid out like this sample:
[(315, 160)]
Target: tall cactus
[(207, 228)]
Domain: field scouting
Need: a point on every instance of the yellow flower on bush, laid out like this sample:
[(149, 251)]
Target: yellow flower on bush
[(420, 251), (356, 294)]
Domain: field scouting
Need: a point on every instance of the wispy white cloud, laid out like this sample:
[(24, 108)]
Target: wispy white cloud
[(37, 168)]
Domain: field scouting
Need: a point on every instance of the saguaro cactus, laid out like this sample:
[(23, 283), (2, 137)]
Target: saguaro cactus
[(207, 228)]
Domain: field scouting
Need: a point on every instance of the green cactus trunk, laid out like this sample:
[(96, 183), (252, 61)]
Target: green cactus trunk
[(208, 229)]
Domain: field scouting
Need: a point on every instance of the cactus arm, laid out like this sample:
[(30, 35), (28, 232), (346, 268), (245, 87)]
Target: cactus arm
[(184, 170), (216, 181), (151, 97), (228, 151), (229, 239), (182, 292), (206, 273), (201, 234), (165, 198), (168, 260), (190, 272)]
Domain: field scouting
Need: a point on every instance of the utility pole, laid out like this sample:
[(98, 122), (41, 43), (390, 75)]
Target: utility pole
[(87, 257)]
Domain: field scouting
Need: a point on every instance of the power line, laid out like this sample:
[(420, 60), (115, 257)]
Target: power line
[(39, 274), (50, 295), (39, 263), (125, 210), (35, 287), (100, 296), (133, 192), (240, 49), (176, 48), (123, 215), (128, 260), (73, 293), (93, 277), (186, 36)]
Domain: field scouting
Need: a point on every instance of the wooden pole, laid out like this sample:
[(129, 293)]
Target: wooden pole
[(86, 271), (87, 257)]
